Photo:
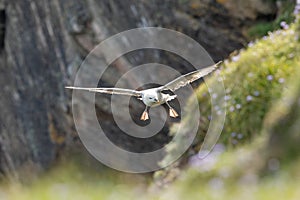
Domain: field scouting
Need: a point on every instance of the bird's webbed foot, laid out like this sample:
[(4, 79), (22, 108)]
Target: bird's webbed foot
[(172, 111), (145, 115)]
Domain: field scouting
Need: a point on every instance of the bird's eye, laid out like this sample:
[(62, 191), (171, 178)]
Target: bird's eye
[(150, 98)]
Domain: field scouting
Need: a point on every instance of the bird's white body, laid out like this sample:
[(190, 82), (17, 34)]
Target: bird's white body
[(154, 97)]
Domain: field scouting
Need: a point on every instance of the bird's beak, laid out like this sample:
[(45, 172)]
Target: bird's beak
[(156, 100)]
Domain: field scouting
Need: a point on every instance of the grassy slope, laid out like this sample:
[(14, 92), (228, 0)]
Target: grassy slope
[(254, 79)]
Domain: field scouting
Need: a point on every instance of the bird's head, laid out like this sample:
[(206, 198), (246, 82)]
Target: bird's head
[(152, 98)]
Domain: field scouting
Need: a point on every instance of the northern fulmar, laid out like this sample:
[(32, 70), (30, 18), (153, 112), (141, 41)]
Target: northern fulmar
[(154, 96)]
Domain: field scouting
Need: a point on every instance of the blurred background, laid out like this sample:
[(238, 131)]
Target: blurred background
[(43, 43)]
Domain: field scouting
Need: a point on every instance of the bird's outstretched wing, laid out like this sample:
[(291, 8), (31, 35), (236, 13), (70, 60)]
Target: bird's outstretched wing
[(120, 91), (188, 78)]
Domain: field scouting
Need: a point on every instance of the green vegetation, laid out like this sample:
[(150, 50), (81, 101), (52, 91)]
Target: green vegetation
[(254, 79), (261, 29)]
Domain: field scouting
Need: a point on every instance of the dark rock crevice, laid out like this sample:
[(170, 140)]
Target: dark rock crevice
[(2, 28)]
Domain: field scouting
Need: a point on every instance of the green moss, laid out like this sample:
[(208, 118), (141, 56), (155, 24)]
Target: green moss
[(260, 29)]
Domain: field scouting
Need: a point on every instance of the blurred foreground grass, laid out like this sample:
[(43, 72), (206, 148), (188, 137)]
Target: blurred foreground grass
[(67, 182), (215, 181), (77, 179), (226, 177)]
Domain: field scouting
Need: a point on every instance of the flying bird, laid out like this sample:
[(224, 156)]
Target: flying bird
[(154, 97)]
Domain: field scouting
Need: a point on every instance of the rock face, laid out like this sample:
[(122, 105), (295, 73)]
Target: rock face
[(251, 9), (42, 43)]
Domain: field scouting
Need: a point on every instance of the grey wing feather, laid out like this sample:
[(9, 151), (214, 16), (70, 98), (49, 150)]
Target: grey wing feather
[(188, 78), (120, 91)]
